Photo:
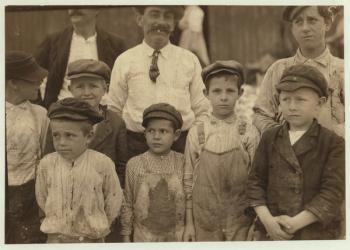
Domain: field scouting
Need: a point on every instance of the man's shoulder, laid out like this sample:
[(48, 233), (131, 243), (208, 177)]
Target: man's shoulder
[(282, 63), (114, 38), (184, 53), (130, 53), (68, 31)]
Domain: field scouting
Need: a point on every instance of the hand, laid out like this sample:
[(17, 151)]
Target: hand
[(189, 233), (287, 223), (126, 238), (274, 229)]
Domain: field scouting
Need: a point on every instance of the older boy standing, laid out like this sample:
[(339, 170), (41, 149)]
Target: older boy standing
[(157, 71)]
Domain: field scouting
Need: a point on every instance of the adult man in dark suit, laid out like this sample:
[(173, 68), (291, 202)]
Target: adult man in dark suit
[(82, 40)]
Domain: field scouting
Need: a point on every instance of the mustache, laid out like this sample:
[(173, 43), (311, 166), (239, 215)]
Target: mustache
[(162, 27)]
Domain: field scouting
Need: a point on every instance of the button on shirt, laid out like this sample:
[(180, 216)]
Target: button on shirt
[(179, 84), (80, 198), (332, 115), (26, 128), (80, 48)]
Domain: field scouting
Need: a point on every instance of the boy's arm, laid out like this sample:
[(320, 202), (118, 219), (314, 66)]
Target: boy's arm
[(121, 154), (127, 215), (41, 191), (112, 192), (250, 142), (192, 151), (44, 133), (199, 103)]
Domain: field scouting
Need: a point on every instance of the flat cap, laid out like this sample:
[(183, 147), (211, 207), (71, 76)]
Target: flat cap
[(88, 67), (162, 111), (229, 66), (22, 65), (178, 10), (74, 109), (303, 76)]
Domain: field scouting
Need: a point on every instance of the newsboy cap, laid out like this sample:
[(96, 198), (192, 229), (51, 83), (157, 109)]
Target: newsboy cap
[(178, 10), (162, 111), (88, 67), (74, 109), (303, 76), (229, 66), (22, 65)]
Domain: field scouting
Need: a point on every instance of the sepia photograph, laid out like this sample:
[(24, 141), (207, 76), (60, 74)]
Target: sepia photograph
[(173, 123)]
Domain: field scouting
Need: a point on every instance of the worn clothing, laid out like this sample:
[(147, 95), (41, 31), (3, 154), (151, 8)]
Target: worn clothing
[(80, 198), (306, 176), (216, 170), (179, 84), (26, 128), (154, 208), (109, 139), (53, 54), (332, 115)]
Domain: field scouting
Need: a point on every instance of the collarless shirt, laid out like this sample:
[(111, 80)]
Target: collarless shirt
[(26, 128), (79, 198), (179, 84)]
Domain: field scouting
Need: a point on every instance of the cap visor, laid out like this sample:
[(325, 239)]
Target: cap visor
[(85, 75), (36, 76), (292, 86)]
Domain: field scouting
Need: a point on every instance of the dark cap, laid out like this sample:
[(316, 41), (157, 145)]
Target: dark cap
[(303, 76), (229, 66), (178, 10), (162, 111), (74, 109), (22, 65), (88, 67)]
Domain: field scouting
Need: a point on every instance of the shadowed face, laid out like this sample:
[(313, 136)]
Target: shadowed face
[(25, 89)]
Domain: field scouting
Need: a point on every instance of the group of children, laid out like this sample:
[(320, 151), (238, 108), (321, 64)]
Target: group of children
[(227, 185)]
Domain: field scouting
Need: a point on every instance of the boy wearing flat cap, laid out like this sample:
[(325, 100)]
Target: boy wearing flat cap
[(154, 208), (88, 82), (309, 25), (76, 187), (157, 71), (217, 160), (297, 182), (26, 128)]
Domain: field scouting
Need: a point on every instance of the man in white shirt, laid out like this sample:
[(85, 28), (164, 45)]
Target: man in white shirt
[(83, 40), (157, 71)]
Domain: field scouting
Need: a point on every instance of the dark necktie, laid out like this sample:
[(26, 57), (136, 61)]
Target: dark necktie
[(154, 70)]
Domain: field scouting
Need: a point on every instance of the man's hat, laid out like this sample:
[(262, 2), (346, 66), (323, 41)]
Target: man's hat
[(230, 66), (74, 109), (178, 10), (162, 111), (22, 65), (90, 68), (303, 76)]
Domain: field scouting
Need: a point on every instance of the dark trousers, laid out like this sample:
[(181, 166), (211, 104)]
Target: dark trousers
[(137, 143), (22, 215)]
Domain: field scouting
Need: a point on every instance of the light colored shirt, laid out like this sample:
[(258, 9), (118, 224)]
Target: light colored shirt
[(26, 128), (143, 173), (179, 84), (220, 137), (80, 198), (294, 136), (332, 115)]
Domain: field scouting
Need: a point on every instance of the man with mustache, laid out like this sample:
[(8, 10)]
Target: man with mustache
[(309, 25), (82, 40), (157, 71)]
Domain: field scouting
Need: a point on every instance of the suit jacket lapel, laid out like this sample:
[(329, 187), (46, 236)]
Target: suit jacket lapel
[(307, 141), (63, 49), (103, 131), (103, 47)]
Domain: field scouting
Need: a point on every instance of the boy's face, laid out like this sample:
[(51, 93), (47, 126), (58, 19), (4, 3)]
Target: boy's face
[(160, 136), (69, 139), (300, 107), (88, 89), (26, 90), (157, 23), (223, 93), (309, 28)]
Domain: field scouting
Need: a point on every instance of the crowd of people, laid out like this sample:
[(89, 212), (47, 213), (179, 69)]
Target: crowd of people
[(105, 144)]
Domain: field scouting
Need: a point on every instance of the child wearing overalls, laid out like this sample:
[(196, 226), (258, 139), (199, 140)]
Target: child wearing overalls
[(217, 160)]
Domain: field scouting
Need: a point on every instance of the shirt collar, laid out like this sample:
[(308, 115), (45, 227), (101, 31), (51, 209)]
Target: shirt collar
[(321, 59), (90, 39), (77, 161), (229, 120), (165, 51), (23, 105)]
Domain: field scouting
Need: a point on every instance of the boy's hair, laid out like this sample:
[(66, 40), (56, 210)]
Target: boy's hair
[(173, 125), (86, 126), (226, 75), (327, 12)]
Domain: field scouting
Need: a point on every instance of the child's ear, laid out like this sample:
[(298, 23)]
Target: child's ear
[(240, 91), (69, 88), (177, 134), (90, 136), (206, 92), (322, 100)]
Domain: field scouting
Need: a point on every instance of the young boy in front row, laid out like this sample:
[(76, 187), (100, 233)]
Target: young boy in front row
[(154, 208), (77, 188), (296, 185), (217, 159)]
